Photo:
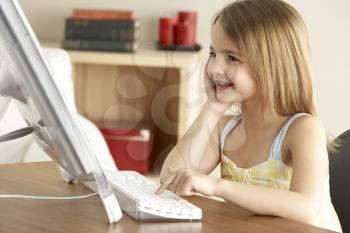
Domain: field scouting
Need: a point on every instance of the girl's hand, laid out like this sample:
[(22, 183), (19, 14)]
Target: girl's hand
[(185, 182), (210, 89)]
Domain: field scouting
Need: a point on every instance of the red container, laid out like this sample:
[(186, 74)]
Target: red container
[(131, 149), (182, 34), (189, 19), (166, 30)]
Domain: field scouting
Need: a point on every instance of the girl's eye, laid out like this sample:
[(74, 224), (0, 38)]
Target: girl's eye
[(232, 58), (212, 54)]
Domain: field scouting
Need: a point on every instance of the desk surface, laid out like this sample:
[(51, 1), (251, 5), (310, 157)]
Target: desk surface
[(87, 215)]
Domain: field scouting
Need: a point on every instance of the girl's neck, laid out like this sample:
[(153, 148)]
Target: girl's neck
[(252, 116)]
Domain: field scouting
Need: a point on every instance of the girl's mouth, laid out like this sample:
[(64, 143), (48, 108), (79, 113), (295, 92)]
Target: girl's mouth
[(223, 85)]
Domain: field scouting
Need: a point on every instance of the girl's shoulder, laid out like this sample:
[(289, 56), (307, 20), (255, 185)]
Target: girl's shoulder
[(225, 119), (305, 131), (305, 124)]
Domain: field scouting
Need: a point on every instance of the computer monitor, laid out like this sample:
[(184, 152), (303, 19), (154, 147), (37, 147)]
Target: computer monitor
[(26, 77)]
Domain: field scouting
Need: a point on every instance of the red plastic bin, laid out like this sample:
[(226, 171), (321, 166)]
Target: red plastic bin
[(131, 149)]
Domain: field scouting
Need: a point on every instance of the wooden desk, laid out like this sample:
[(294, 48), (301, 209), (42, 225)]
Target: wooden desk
[(87, 215)]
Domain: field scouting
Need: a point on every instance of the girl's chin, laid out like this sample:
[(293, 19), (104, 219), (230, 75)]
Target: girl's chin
[(226, 100)]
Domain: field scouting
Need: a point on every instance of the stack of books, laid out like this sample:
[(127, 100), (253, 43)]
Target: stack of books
[(101, 30)]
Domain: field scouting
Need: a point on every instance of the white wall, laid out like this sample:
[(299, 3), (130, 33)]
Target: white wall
[(328, 23)]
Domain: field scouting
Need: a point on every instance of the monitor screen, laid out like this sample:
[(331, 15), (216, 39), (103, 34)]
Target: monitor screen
[(27, 78)]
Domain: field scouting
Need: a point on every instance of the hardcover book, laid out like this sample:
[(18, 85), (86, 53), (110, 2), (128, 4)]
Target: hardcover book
[(123, 34), (103, 24), (101, 14), (100, 45)]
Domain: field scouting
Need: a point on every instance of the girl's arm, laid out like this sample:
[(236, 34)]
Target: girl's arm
[(198, 149), (306, 141)]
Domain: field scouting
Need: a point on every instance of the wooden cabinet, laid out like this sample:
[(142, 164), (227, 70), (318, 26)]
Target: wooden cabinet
[(146, 87)]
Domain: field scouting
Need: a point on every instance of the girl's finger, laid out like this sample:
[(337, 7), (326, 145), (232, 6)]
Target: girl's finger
[(166, 184), (177, 182), (185, 187), (188, 188)]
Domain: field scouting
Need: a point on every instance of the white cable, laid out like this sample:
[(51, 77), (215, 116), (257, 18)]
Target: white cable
[(48, 198)]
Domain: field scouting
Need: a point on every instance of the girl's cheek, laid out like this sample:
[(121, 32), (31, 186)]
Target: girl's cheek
[(209, 70)]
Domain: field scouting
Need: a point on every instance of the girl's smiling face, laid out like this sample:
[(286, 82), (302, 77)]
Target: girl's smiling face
[(232, 79)]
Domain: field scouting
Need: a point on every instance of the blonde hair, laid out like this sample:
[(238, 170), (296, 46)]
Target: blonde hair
[(273, 42)]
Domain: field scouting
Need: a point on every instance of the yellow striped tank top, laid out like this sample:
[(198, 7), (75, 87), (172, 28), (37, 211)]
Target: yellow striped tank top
[(274, 173)]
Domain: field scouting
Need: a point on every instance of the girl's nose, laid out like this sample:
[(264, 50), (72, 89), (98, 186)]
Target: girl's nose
[(215, 67)]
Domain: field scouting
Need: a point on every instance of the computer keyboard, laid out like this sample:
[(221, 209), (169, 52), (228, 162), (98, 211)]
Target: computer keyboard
[(137, 198)]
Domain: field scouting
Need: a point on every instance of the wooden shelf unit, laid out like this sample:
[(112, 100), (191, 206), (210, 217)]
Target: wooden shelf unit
[(148, 86)]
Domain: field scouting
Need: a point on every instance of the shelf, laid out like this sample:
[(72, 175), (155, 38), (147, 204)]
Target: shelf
[(152, 86), (146, 57)]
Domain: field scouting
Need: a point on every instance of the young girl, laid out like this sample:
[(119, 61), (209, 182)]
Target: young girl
[(273, 154)]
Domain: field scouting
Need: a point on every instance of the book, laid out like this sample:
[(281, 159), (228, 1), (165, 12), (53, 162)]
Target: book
[(122, 34), (86, 23), (101, 14), (100, 45)]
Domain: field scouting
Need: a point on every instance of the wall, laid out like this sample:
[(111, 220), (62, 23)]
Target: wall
[(328, 23)]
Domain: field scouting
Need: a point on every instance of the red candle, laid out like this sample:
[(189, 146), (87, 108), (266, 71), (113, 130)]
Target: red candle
[(189, 18), (182, 34), (166, 30)]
